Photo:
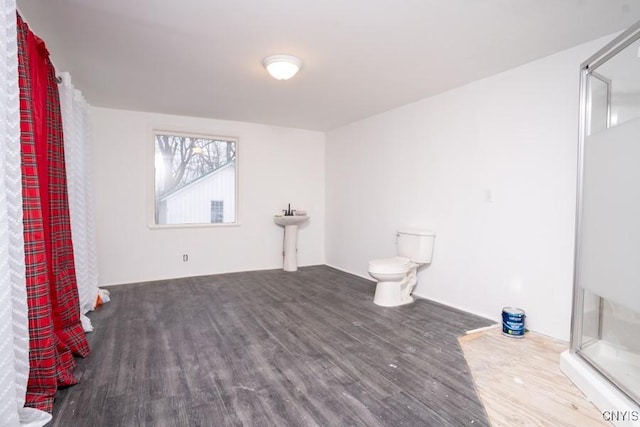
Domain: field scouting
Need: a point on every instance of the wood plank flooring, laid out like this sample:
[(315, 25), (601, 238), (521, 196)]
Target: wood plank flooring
[(520, 382), (271, 348)]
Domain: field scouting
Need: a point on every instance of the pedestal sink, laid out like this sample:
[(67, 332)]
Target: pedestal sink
[(290, 224)]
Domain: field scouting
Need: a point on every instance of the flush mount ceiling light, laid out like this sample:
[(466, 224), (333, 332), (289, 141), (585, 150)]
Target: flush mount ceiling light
[(282, 67)]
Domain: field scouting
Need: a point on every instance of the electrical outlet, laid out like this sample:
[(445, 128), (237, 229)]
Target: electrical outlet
[(185, 257)]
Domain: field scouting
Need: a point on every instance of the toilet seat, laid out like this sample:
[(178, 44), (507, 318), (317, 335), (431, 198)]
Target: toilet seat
[(395, 265)]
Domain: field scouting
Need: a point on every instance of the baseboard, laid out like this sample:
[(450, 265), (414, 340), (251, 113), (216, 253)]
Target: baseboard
[(497, 318), (350, 272)]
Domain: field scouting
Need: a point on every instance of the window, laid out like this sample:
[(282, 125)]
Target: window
[(195, 179), (217, 211)]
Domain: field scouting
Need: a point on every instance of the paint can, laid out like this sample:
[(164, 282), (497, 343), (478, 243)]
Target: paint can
[(513, 322)]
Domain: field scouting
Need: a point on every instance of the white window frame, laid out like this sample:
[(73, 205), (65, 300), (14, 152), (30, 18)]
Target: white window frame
[(151, 192)]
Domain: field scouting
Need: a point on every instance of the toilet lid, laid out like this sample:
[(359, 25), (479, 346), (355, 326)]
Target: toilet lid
[(390, 265)]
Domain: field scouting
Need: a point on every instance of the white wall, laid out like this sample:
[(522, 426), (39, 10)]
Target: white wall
[(433, 163), (276, 166)]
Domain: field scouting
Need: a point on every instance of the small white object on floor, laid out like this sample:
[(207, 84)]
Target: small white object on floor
[(31, 417), (86, 323), (517, 380), (104, 295)]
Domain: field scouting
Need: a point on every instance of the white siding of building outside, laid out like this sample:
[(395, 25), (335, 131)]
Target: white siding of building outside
[(192, 204)]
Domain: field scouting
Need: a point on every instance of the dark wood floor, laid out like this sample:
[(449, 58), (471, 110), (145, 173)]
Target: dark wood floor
[(271, 348)]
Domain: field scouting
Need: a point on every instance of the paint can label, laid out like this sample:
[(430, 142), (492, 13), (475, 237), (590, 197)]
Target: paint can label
[(513, 322)]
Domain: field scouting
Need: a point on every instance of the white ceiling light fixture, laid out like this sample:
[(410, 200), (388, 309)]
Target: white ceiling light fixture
[(282, 67)]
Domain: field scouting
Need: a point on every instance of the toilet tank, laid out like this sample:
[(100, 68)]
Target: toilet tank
[(416, 244)]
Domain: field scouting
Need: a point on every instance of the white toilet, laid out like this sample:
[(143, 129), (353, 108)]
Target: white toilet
[(397, 276)]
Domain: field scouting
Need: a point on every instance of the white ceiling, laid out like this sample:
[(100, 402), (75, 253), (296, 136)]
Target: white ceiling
[(361, 57)]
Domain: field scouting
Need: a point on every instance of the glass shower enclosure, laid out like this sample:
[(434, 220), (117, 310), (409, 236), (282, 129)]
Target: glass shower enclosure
[(605, 337)]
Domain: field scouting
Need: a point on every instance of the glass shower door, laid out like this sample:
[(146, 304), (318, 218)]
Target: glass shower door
[(606, 329)]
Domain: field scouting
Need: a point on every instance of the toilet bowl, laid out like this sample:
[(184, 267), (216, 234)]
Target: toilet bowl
[(396, 279), (397, 276)]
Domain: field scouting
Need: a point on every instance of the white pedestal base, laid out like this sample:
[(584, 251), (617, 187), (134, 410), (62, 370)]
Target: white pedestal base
[(290, 248)]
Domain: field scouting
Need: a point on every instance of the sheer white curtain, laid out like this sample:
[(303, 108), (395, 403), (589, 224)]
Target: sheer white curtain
[(14, 326), (76, 137)]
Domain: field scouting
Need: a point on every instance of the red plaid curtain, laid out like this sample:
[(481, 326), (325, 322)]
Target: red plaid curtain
[(55, 331)]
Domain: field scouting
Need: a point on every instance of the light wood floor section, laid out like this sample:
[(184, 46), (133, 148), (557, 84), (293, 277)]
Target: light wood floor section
[(520, 382)]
